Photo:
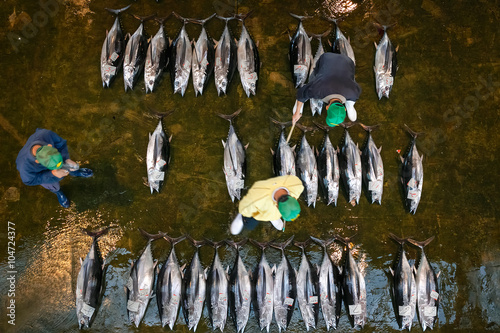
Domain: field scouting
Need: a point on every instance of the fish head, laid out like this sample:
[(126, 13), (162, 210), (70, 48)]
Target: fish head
[(83, 321), (135, 318), (150, 83), (221, 83), (383, 85), (128, 76)]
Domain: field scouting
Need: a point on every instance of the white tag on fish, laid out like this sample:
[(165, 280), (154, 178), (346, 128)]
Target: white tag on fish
[(288, 301), (174, 300), (412, 183), (374, 185), (389, 80), (143, 292), (240, 183), (114, 56), (222, 297), (252, 77), (355, 309), (130, 284), (132, 306), (204, 62), (87, 310), (313, 299), (434, 295), (268, 298), (111, 70), (300, 70), (412, 194), (430, 311), (157, 176), (405, 310), (218, 62)]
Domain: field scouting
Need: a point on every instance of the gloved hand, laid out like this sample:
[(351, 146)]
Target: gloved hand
[(60, 173), (71, 165)]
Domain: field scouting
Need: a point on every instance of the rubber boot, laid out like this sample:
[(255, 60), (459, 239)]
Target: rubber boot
[(82, 172), (63, 200)]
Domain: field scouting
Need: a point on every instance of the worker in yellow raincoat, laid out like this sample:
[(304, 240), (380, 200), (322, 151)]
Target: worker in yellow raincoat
[(269, 200)]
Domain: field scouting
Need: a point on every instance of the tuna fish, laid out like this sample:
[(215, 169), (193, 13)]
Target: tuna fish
[(373, 167), (112, 50), (403, 287), (203, 58), (169, 286), (354, 289), (427, 288), (300, 54), (89, 286), (412, 174), (217, 291), (386, 65), (264, 289), (307, 168), (157, 157), (284, 156), (180, 59), (350, 167), (156, 57), (330, 287), (225, 59), (248, 59), (307, 289), (193, 296), (240, 290), (285, 288), (317, 104), (135, 55), (341, 44), (139, 287), (328, 167), (234, 160)]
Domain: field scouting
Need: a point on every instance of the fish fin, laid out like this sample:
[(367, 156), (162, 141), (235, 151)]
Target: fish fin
[(318, 269), (246, 146), (402, 159), (375, 47), (149, 136), (379, 149), (205, 272), (125, 289), (414, 270), (340, 270), (223, 144), (155, 264), (81, 262), (437, 275), (170, 140), (183, 267), (272, 151), (273, 270), (422, 158), (421, 244), (390, 270), (397, 48)]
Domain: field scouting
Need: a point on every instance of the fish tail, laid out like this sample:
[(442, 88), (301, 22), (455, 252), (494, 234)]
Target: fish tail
[(242, 17), (203, 21), (348, 124), (196, 243), (302, 245), (149, 236), (300, 18), (215, 245), (161, 20), (260, 245), (171, 240), (344, 240), (236, 245), (281, 124), (97, 234), (369, 128), (159, 114), (304, 128), (322, 127), (144, 18), (323, 243), (398, 240), (183, 19), (413, 133), (321, 35), (227, 19), (421, 244), (229, 117), (118, 11), (283, 245)]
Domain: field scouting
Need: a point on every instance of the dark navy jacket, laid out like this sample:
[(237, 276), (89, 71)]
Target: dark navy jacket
[(333, 74), (33, 173)]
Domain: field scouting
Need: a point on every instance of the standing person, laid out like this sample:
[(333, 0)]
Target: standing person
[(41, 161), (333, 82), (269, 200)]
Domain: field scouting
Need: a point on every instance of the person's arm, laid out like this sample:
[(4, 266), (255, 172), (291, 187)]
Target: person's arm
[(297, 111), (44, 177)]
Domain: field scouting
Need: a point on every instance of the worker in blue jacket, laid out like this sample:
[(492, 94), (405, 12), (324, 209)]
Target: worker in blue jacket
[(44, 160)]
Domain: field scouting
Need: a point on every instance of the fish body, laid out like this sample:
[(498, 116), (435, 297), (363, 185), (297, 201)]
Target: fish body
[(157, 157), (307, 169), (89, 282), (180, 60), (169, 286), (225, 59), (157, 57), (283, 156), (427, 288), (330, 287), (403, 287), (285, 289), (307, 290), (373, 168), (353, 289), (386, 65), (203, 60), (264, 289), (350, 168), (248, 61), (412, 175), (328, 169), (112, 50), (234, 160), (135, 56), (217, 291), (341, 44), (300, 54), (140, 283), (194, 291), (316, 104), (240, 290)]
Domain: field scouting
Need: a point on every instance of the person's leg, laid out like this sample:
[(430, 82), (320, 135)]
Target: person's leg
[(241, 222), (250, 223), (56, 188)]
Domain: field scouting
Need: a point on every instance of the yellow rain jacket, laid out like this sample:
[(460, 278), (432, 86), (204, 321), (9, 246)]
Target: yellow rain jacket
[(259, 202)]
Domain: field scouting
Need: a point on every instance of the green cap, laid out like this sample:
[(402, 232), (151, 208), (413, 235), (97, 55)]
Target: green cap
[(289, 208), (336, 114), (49, 157)]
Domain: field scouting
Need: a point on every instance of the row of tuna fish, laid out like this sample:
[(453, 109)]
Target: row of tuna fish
[(303, 62), (275, 289), (183, 57)]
